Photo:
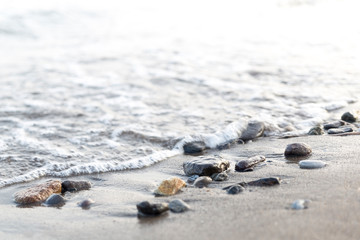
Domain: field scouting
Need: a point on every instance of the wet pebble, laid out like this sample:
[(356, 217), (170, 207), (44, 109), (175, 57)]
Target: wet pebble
[(194, 148), (235, 189), (339, 130), (55, 199), (146, 209), (86, 203), (297, 149), (249, 164), (335, 124), (300, 204), (202, 182), (192, 178), (178, 206), (220, 176), (38, 193), (74, 186), (254, 129), (205, 166), (349, 117), (311, 164), (318, 130)]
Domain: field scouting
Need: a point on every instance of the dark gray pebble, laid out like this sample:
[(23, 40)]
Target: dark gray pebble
[(254, 130), (194, 148), (205, 166), (55, 199), (335, 124), (340, 130), (235, 189), (265, 182), (147, 209), (349, 117), (192, 178), (297, 149), (318, 130), (74, 186), (220, 176), (178, 206)]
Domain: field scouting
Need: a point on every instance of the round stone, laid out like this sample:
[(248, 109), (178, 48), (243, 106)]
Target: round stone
[(55, 199), (311, 164), (86, 203), (297, 149), (202, 182)]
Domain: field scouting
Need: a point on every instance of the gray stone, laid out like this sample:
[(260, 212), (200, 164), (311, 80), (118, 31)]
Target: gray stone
[(300, 204), (202, 181), (192, 178), (297, 149), (335, 124), (220, 176), (311, 164), (74, 186), (86, 203), (249, 164), (340, 130), (178, 206), (235, 189), (205, 166), (147, 209), (194, 148), (349, 117), (265, 182), (318, 130), (55, 199), (254, 130)]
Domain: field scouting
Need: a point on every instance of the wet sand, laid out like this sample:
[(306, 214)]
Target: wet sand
[(257, 213)]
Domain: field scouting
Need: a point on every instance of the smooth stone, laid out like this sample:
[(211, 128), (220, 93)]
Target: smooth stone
[(170, 187), (316, 131), (192, 178), (74, 186), (265, 182), (220, 176), (349, 117), (340, 130), (205, 166), (38, 193), (178, 206), (147, 209), (202, 182), (235, 189), (335, 124), (194, 147), (254, 130), (311, 164), (55, 199), (86, 203), (300, 204), (249, 164), (297, 149)]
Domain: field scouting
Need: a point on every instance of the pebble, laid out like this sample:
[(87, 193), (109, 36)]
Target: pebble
[(265, 182), (146, 209), (219, 176), (38, 193), (318, 130), (205, 166), (349, 117), (311, 164), (86, 203), (249, 164), (170, 187), (297, 149), (74, 186), (335, 124), (178, 206), (192, 178), (235, 189), (254, 130), (340, 130), (300, 204), (194, 148), (202, 182), (55, 199)]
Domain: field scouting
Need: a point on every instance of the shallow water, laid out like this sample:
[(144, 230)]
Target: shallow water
[(95, 87)]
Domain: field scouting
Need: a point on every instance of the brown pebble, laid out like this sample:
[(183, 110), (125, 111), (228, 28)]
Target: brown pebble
[(38, 193), (297, 149)]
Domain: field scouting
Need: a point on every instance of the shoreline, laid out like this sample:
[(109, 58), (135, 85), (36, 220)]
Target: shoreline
[(257, 213)]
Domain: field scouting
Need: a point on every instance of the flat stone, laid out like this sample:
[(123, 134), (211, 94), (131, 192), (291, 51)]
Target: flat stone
[(170, 187), (220, 176), (205, 166), (55, 199), (349, 117), (297, 149), (178, 206), (311, 164), (249, 164), (235, 189), (335, 124), (202, 181), (74, 186), (340, 130), (147, 209), (38, 193), (265, 182), (318, 130), (194, 148), (300, 204), (86, 204), (254, 130)]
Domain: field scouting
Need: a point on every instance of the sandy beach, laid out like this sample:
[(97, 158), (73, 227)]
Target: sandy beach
[(257, 213)]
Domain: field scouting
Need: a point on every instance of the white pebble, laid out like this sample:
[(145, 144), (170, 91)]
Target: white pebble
[(300, 204), (311, 164)]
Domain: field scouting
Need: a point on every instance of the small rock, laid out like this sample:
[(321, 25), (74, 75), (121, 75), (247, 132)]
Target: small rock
[(202, 182), (349, 117), (74, 186), (38, 193), (254, 130), (192, 178), (249, 164), (235, 189), (146, 209), (335, 124), (311, 164), (220, 176), (297, 149), (318, 130), (55, 199), (300, 204), (170, 187), (178, 206), (194, 148), (205, 166), (265, 182), (86, 203), (340, 130)]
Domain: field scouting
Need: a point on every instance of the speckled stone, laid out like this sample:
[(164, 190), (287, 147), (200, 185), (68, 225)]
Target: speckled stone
[(170, 187), (146, 209), (311, 164), (318, 130), (178, 206), (297, 149), (38, 193), (205, 166)]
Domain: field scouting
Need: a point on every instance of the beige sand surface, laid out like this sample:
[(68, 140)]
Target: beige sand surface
[(258, 213)]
